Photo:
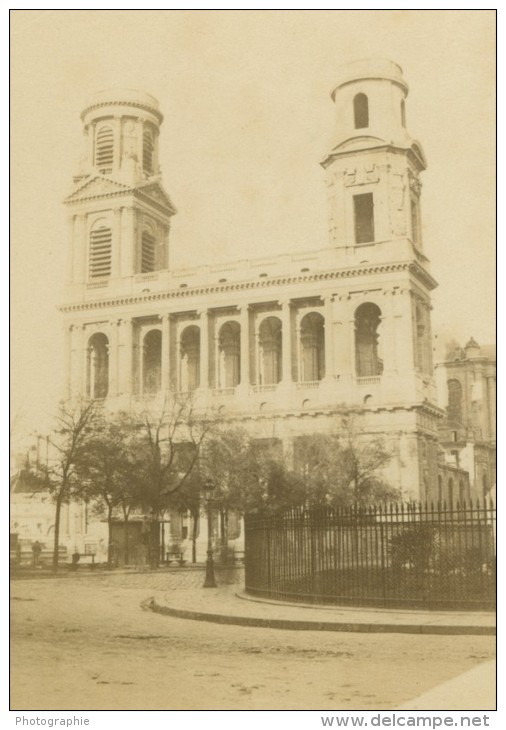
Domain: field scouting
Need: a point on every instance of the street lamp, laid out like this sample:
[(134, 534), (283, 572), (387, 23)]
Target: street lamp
[(210, 581)]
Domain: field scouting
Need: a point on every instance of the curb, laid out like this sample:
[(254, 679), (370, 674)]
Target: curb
[(150, 604)]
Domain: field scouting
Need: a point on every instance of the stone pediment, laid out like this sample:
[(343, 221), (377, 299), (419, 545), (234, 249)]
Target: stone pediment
[(104, 187), (155, 193), (96, 187)]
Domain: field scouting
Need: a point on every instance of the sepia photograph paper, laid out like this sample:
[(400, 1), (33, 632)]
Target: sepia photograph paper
[(253, 382)]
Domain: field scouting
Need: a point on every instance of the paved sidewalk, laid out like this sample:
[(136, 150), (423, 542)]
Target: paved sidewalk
[(472, 690), (228, 604)]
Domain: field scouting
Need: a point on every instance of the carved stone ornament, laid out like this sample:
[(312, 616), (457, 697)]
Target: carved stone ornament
[(361, 175)]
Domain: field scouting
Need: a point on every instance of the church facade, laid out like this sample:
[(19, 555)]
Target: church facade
[(281, 345)]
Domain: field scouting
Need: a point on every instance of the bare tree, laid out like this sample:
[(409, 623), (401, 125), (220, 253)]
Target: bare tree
[(105, 470), (74, 422), (346, 467), (167, 441)]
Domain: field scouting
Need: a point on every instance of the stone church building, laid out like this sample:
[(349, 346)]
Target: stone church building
[(277, 345)]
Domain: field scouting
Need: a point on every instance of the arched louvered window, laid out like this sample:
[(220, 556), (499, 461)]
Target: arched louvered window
[(100, 250), (361, 111), (148, 253), (147, 152), (104, 149)]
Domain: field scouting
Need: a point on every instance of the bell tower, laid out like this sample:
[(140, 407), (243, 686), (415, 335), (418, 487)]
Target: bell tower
[(119, 212), (373, 168)]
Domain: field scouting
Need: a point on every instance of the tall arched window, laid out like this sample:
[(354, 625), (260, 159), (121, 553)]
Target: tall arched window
[(361, 111), (312, 345), (455, 401), (440, 489), (152, 362), (104, 149), (148, 251), (190, 358), (367, 322), (147, 152), (229, 355), (98, 366), (100, 249), (403, 113), (270, 351)]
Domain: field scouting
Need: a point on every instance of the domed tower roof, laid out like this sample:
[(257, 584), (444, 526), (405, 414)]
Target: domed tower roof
[(111, 99), (370, 68)]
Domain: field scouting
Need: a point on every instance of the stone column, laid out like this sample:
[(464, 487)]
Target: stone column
[(245, 349), (140, 141), (204, 348), (67, 345), (113, 358), (116, 164), (80, 249), (329, 332), (125, 357), (116, 244), (286, 377), (165, 379), (127, 264)]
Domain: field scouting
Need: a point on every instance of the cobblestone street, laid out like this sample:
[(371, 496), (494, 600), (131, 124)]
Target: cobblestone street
[(83, 642)]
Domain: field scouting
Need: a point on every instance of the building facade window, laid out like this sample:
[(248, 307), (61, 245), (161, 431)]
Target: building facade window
[(403, 113), (148, 251), (100, 250), (98, 366), (229, 355), (104, 149), (152, 362), (312, 347), (367, 322), (148, 146), (363, 215), (270, 351), (440, 489), (454, 401), (361, 111), (190, 359)]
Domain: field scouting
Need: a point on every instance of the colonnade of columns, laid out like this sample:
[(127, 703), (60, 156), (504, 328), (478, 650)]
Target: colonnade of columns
[(245, 346)]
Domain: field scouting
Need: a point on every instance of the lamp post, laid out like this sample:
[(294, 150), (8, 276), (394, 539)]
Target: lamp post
[(210, 581)]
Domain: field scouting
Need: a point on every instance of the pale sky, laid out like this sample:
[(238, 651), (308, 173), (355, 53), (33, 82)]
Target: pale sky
[(248, 117)]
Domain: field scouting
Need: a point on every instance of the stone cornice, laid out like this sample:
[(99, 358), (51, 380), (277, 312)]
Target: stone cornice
[(161, 202), (136, 104), (206, 290)]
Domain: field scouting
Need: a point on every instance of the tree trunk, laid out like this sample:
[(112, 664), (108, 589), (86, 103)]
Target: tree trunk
[(195, 530), (109, 532), (57, 532), (125, 537), (224, 535), (154, 544)]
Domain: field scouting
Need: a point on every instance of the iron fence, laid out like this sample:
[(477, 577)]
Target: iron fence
[(413, 555)]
